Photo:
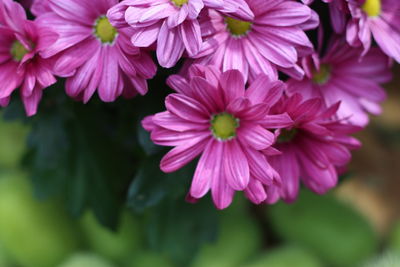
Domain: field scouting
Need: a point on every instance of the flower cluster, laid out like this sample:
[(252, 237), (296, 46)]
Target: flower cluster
[(255, 101)]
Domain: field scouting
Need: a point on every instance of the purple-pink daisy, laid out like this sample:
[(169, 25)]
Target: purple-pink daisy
[(313, 149), (341, 75), (93, 54), (379, 19), (172, 24), (273, 40), (212, 115), (22, 45)]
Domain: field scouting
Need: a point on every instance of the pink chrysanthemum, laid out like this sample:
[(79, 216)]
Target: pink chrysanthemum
[(313, 147), (273, 40), (379, 18), (22, 44), (341, 76), (213, 115), (94, 54), (172, 24)]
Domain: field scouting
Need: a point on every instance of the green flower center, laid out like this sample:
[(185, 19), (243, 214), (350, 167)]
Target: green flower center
[(323, 75), (287, 135), (237, 27), (179, 3), (224, 126), (18, 51), (104, 30), (373, 8)]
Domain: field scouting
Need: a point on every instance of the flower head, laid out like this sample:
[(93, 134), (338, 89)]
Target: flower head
[(93, 54), (341, 75), (22, 45), (271, 41), (172, 24), (213, 115), (312, 148), (379, 19)]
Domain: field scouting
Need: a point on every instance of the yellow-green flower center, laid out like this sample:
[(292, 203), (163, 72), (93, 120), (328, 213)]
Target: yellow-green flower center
[(287, 135), (18, 51), (372, 7), (237, 27), (323, 75), (224, 126), (179, 3), (104, 30)]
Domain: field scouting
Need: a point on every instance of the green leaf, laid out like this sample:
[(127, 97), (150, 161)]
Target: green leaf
[(12, 143), (239, 239), (150, 185), (178, 229), (329, 228), (86, 259), (33, 233), (83, 160), (287, 256)]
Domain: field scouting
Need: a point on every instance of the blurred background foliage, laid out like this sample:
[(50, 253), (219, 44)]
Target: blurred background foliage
[(80, 187)]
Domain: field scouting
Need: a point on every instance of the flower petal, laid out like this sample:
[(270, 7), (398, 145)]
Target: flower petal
[(208, 169)]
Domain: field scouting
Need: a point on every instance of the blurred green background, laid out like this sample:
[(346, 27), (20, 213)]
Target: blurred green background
[(357, 224)]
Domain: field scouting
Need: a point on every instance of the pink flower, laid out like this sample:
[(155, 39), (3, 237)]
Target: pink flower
[(22, 45), (93, 54), (213, 115), (172, 24), (313, 147), (341, 75), (379, 18), (272, 41)]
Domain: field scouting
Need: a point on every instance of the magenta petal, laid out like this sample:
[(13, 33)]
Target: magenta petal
[(277, 121), (272, 194), (169, 46), (146, 36), (31, 102), (191, 36), (76, 84), (195, 6), (148, 124), (317, 179), (260, 169), (175, 123), (236, 167), (75, 57), (208, 169), (156, 12), (110, 85), (179, 156), (165, 137), (256, 136), (70, 9), (222, 193), (179, 84), (208, 95), (262, 89), (255, 192), (288, 168), (232, 82), (177, 17), (186, 108), (10, 80)]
